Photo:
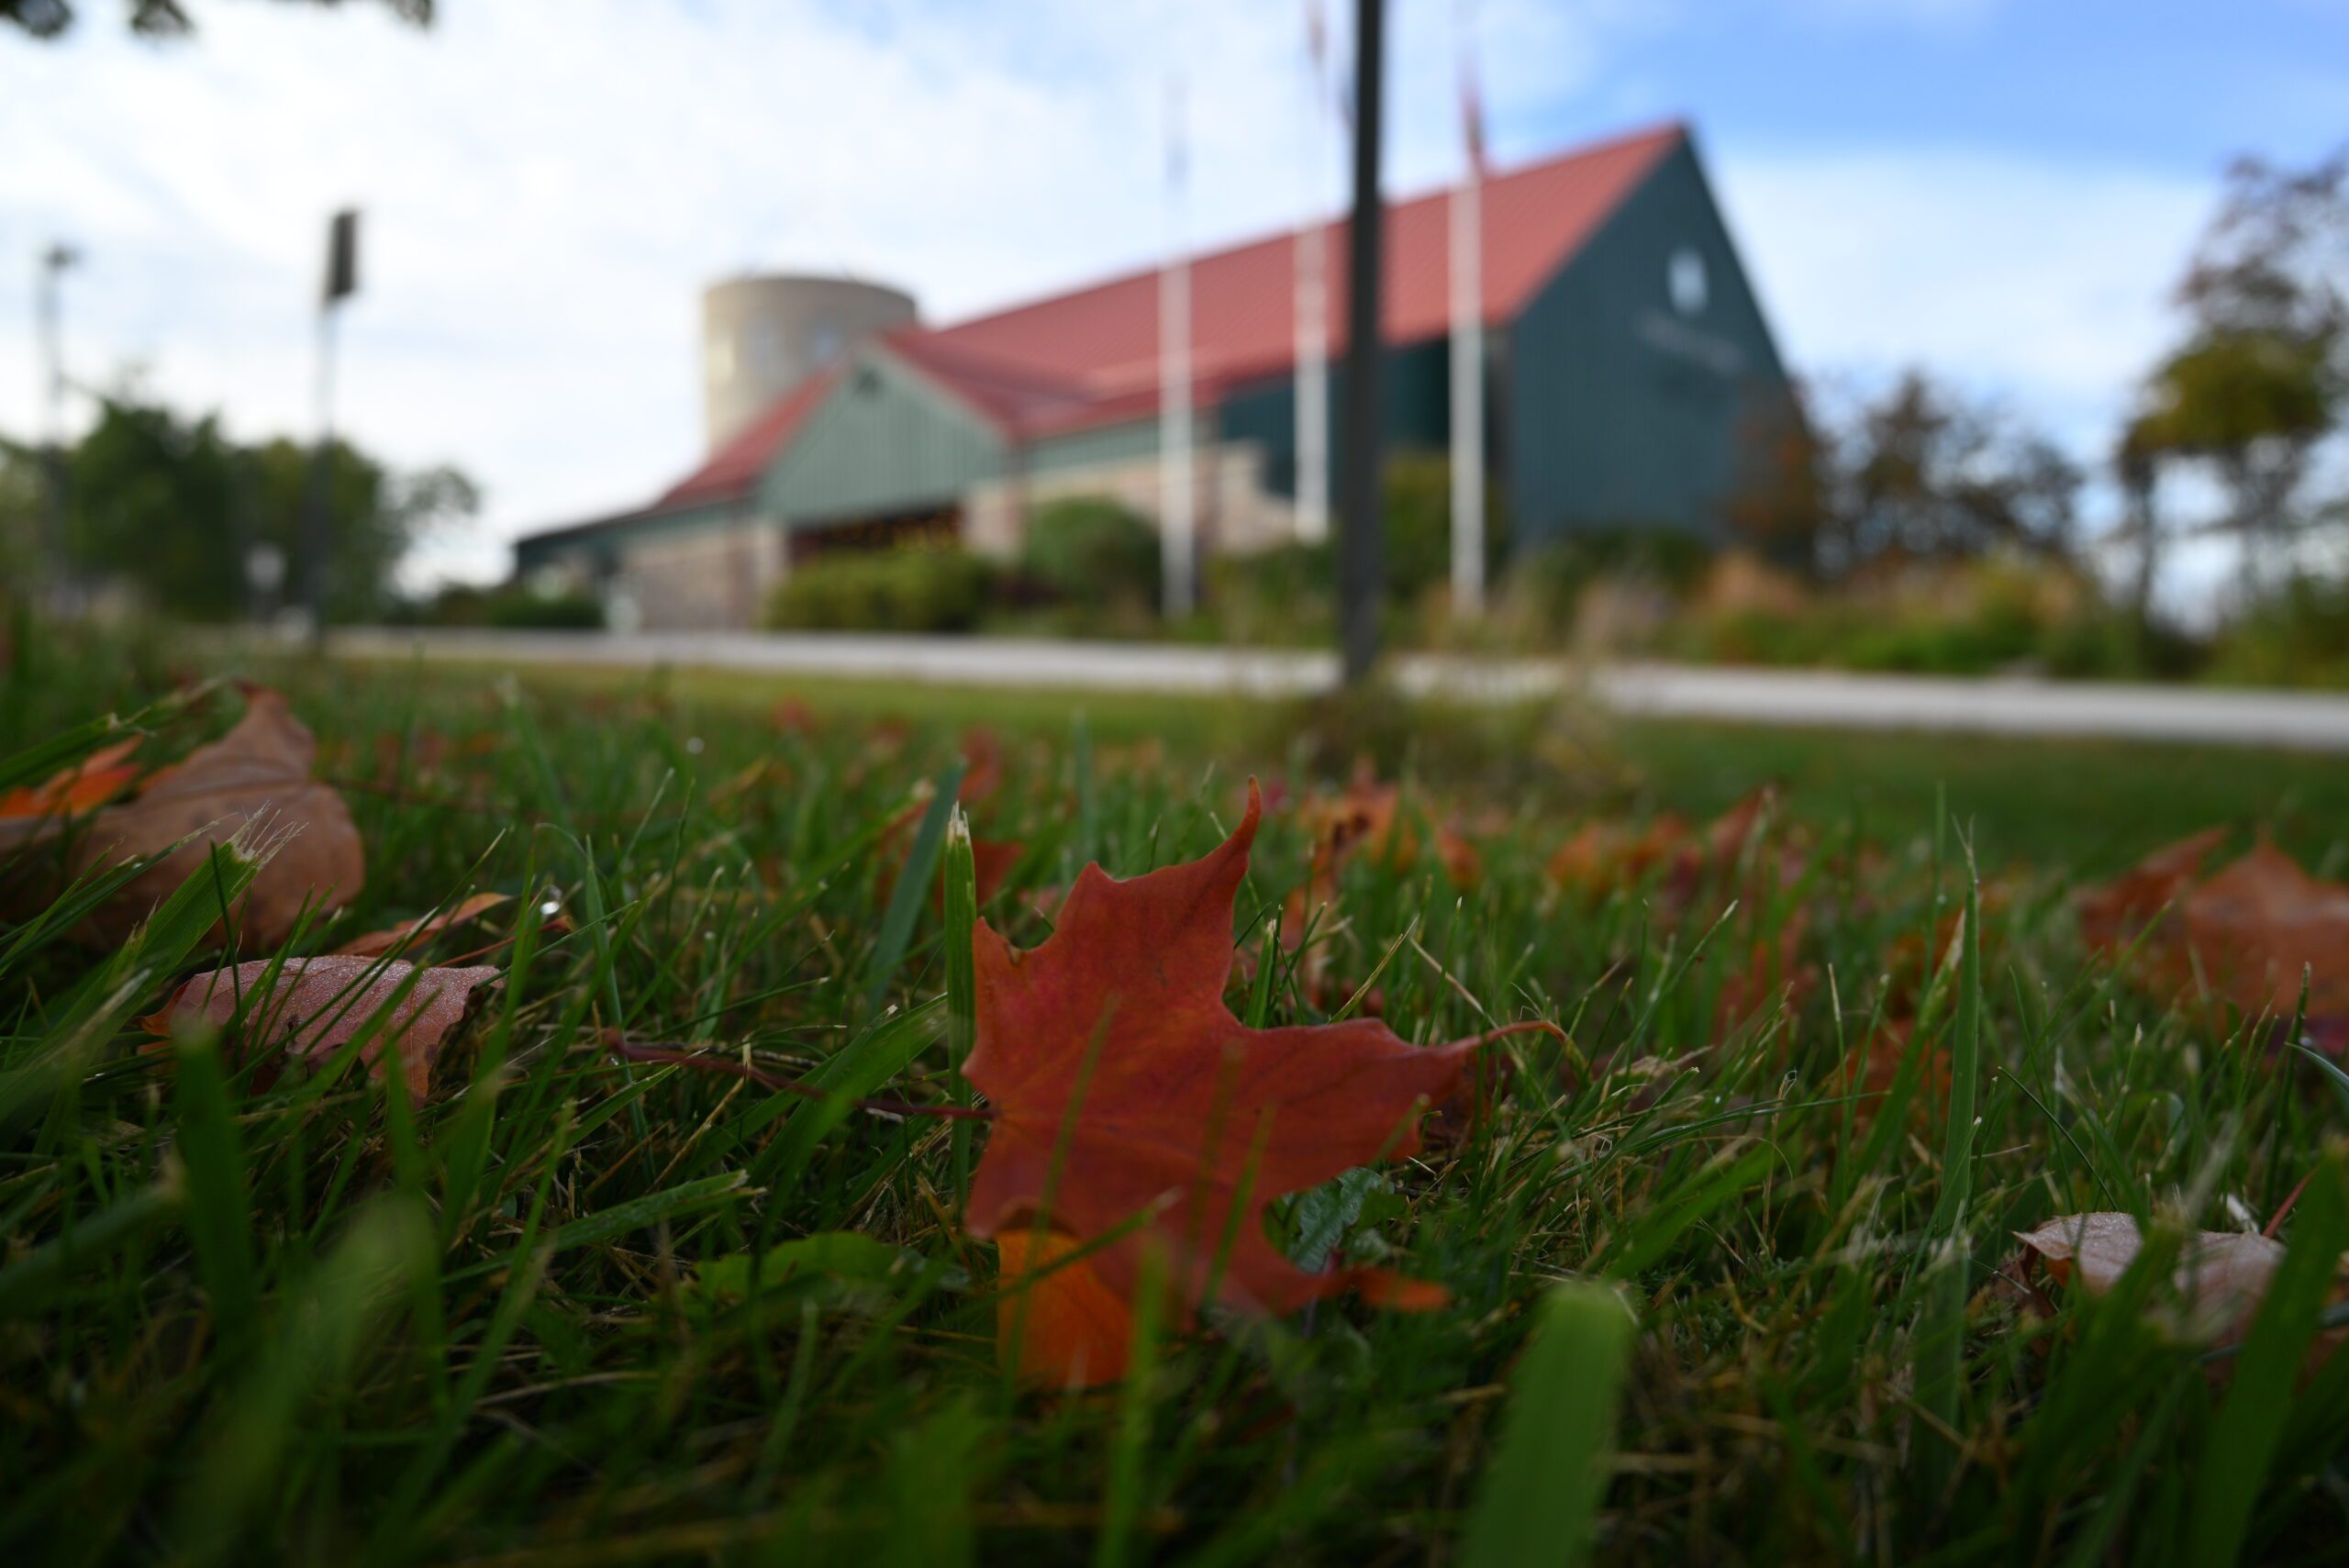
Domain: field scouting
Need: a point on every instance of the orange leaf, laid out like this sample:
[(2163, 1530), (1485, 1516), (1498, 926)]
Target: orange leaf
[(411, 933), (1123, 1088), (1603, 856), (319, 1004), (2112, 916), (91, 782), (2248, 931), (1365, 820), (1073, 1329)]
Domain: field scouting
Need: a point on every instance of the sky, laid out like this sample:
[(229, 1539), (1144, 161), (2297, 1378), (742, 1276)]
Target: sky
[(2003, 191)]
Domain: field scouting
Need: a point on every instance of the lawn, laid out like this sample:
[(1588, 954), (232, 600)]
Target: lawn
[(1737, 1249)]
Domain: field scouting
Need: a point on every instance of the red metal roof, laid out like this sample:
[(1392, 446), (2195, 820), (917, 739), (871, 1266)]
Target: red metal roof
[(1244, 300), (1091, 356), (735, 467), (1011, 395)]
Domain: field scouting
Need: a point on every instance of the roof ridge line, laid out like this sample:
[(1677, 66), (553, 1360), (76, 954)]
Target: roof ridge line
[(1670, 129)]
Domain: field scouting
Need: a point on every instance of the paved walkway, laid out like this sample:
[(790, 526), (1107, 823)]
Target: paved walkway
[(2301, 721)]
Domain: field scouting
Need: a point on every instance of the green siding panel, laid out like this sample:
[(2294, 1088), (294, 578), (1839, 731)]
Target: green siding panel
[(1414, 385), (1624, 410), (601, 545), (884, 441), (1092, 448)]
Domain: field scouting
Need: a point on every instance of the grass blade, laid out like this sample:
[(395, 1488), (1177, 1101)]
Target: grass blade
[(1539, 1501)]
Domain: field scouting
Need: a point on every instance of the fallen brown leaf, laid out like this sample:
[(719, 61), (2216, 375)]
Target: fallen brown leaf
[(258, 772), (317, 1006), (409, 933), (2248, 932), (2220, 1276)]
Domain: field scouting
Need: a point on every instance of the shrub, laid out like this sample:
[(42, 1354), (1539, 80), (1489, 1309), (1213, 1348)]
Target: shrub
[(1969, 618), (918, 588), (525, 609), (511, 606), (1416, 495), (1282, 595), (2297, 634), (1091, 548), (1551, 580), (2113, 644)]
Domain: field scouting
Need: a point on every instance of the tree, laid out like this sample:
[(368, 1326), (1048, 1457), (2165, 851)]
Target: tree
[(2136, 465), (150, 498), (1779, 507), (172, 508), (24, 495), (1415, 494), (157, 18), (1924, 473), (2259, 381)]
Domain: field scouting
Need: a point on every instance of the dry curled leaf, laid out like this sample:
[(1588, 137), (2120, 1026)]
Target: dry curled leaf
[(410, 933), (1366, 820), (1125, 1091), (1603, 856), (317, 1006), (2114, 915), (2249, 932), (2220, 1276), (259, 773)]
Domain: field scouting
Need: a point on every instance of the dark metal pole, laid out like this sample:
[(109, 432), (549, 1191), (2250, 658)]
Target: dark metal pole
[(53, 263), (317, 517), (1362, 527), (318, 511)]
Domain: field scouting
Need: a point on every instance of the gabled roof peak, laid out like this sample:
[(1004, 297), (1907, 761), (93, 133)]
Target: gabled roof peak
[(1091, 354)]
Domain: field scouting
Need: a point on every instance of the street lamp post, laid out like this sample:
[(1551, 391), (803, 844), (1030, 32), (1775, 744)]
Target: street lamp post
[(317, 519), (48, 326)]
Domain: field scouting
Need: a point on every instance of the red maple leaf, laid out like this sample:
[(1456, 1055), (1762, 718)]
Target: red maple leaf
[(1129, 1103)]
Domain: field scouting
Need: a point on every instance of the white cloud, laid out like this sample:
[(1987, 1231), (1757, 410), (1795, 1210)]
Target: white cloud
[(548, 184), (2041, 281)]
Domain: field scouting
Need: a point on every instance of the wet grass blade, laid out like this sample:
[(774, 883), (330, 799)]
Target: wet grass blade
[(219, 1202), (959, 875), (1539, 1499), (316, 1340), (912, 887), (2243, 1440)]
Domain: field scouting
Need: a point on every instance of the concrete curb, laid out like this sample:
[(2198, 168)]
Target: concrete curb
[(2288, 720)]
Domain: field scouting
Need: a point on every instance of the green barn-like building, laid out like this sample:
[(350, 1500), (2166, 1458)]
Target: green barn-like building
[(1630, 382)]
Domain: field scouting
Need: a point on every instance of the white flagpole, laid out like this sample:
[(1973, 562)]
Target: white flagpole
[(1313, 398), (1179, 522), (1467, 341)]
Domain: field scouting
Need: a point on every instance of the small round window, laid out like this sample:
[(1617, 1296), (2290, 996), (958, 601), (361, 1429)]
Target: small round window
[(1684, 277)]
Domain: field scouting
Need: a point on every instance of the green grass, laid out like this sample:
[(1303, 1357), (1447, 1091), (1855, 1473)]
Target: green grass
[(519, 1323)]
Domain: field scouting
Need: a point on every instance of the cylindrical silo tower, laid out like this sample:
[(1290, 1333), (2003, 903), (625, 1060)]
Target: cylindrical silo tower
[(763, 334)]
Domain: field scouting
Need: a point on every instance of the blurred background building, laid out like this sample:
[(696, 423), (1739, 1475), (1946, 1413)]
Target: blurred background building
[(762, 335), (1629, 374)]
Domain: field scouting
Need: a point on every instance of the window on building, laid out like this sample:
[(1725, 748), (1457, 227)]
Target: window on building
[(1684, 278)]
